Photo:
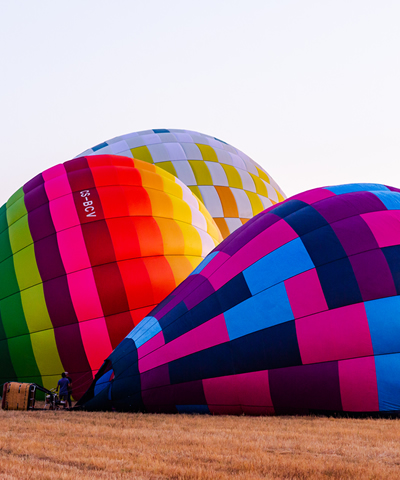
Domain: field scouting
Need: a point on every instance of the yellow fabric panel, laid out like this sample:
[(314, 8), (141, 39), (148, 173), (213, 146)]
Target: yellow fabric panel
[(142, 165), (182, 210), (234, 180), (161, 204), (142, 153), (172, 187), (192, 240), (16, 211), (172, 236), (168, 167), (256, 203), (46, 353), (207, 152), (182, 266), (35, 310), (261, 189), (15, 196), (26, 269), (201, 172), (195, 189), (20, 235), (262, 175), (281, 198), (51, 381)]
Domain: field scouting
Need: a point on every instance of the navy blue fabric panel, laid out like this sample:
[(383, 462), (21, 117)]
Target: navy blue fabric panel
[(241, 236), (124, 359), (100, 401), (160, 130), (323, 246), (212, 362), (305, 220), (273, 347), (232, 293), (284, 209), (126, 395), (392, 255), (339, 283), (170, 317)]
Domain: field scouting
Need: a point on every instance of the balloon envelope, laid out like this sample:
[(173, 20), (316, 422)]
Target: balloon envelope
[(297, 311), (87, 249), (232, 186)]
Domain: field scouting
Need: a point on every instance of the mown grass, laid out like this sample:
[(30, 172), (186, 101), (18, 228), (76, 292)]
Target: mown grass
[(69, 445)]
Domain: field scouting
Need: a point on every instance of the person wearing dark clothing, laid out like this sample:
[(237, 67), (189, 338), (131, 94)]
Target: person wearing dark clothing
[(62, 386), (69, 389)]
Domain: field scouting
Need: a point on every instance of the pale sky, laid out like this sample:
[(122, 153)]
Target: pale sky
[(309, 89)]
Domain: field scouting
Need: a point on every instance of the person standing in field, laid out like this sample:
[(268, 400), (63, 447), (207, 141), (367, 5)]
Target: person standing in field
[(69, 389), (62, 386)]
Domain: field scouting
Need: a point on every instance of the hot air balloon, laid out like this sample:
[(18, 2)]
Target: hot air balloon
[(232, 186), (88, 248), (297, 311)]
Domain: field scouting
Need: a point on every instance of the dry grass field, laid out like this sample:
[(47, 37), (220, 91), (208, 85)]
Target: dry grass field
[(69, 445)]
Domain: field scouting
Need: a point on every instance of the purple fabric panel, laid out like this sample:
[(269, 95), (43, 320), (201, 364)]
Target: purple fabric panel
[(373, 275), (243, 235), (33, 183), (199, 293), (393, 189), (59, 303), (76, 164), (36, 198), (354, 235), (306, 387), (48, 258), (40, 223), (190, 393), (348, 205), (157, 377), (70, 349)]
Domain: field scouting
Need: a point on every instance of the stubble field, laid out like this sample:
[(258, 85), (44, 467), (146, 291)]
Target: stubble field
[(69, 445)]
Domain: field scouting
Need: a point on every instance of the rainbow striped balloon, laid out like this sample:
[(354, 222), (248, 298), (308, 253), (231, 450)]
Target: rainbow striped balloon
[(87, 249), (232, 186)]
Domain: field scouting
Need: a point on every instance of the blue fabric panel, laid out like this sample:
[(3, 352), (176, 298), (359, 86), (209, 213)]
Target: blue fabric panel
[(387, 376), (356, 187), (209, 363), (323, 246), (103, 382), (170, 317), (286, 208), (193, 409), (126, 395), (392, 255), (160, 130), (283, 263), (124, 359), (100, 401), (339, 283), (391, 200), (268, 308), (384, 324), (100, 146), (204, 263), (147, 329), (274, 347), (230, 294), (305, 220)]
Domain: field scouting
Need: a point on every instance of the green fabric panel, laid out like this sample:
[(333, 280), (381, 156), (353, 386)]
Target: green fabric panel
[(12, 315), (142, 153), (20, 235), (7, 372), (8, 280), (3, 221), (168, 167), (201, 172), (16, 211), (15, 197), (34, 305), (26, 268), (5, 246), (22, 357), (2, 332)]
